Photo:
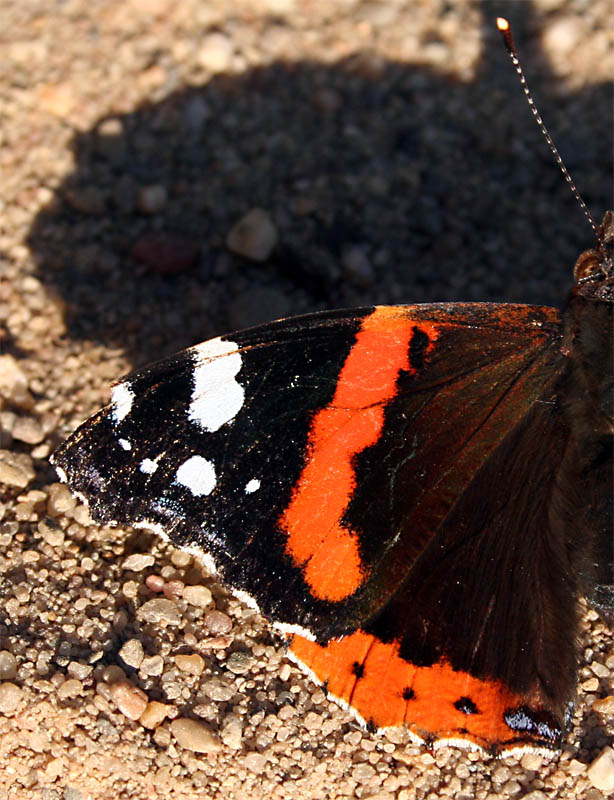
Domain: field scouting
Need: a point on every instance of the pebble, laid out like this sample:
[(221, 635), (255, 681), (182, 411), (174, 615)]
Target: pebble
[(181, 558), (155, 714), (217, 690), (129, 699), (152, 665), (192, 664), (131, 653), (151, 199), (357, 267), (155, 583), (13, 382), (601, 771), (8, 665), (16, 469), (70, 688), (215, 53), (159, 611), (79, 671), (87, 200), (10, 697), (605, 705), (600, 670), (239, 662), (61, 500), (138, 562), (195, 736), (254, 236), (52, 534), (232, 732), (28, 430), (110, 140), (532, 761), (217, 622), (199, 596), (164, 253), (255, 762)]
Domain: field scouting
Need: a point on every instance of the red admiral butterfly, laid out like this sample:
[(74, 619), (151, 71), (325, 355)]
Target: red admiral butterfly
[(417, 495)]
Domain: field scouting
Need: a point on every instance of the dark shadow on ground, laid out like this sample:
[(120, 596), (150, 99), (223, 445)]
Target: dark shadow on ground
[(447, 190)]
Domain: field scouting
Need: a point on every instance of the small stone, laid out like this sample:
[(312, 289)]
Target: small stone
[(605, 706), (16, 469), (69, 689), (129, 699), (232, 732), (164, 253), (357, 267), (217, 690), (110, 140), (57, 98), (198, 596), (195, 736), (601, 771), (363, 773), (600, 670), (239, 662), (192, 664), (532, 761), (13, 381), (8, 665), (152, 665), (61, 500), (536, 794), (590, 685), (216, 51), (131, 653), (28, 430), (151, 199), (217, 622), (181, 558), (137, 562), (155, 714), (254, 236), (255, 762), (159, 611), (87, 200), (10, 697), (51, 532), (155, 583), (79, 671), (576, 767)]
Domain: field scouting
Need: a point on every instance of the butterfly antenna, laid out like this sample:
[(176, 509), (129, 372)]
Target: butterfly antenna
[(505, 28)]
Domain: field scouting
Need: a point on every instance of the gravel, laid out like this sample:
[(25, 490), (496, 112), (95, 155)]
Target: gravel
[(369, 152)]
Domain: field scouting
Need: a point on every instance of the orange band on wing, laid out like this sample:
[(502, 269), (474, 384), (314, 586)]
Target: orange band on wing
[(318, 542), (387, 691)]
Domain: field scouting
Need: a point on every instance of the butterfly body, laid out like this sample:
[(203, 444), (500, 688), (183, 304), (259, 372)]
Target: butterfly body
[(419, 494)]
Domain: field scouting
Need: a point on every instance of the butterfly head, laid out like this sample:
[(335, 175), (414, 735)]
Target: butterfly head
[(594, 269)]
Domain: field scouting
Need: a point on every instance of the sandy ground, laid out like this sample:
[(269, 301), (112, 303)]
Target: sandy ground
[(392, 149)]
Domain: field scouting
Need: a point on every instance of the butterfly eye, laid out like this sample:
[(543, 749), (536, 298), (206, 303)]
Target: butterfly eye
[(587, 266)]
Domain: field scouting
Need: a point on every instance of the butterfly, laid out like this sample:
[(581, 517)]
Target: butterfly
[(417, 496)]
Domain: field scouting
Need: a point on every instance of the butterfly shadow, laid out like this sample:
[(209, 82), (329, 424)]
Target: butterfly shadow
[(386, 182)]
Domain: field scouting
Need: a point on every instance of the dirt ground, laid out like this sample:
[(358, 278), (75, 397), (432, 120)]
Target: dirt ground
[(392, 149)]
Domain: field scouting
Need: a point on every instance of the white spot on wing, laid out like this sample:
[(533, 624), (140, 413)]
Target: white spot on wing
[(122, 398), (252, 486), (217, 396), (148, 466), (124, 444), (198, 475)]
